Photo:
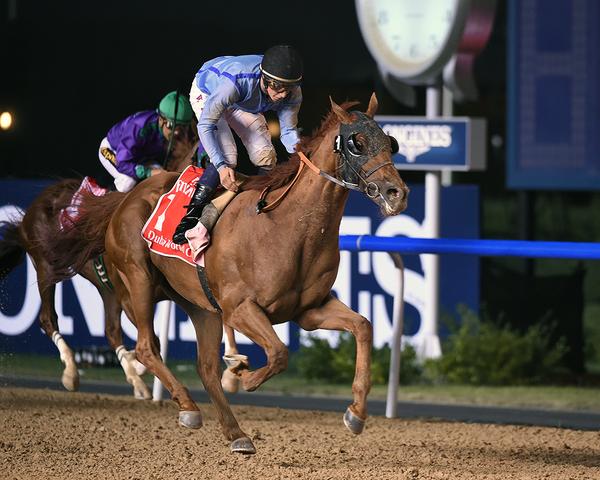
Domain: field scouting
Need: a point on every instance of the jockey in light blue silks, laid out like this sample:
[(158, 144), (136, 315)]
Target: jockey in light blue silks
[(135, 147), (234, 92)]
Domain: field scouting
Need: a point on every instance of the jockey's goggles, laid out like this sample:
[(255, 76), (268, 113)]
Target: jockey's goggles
[(278, 86)]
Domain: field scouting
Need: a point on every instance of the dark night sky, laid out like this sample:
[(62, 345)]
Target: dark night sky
[(72, 69)]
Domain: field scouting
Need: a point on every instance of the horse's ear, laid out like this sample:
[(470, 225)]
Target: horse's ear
[(342, 114), (373, 104)]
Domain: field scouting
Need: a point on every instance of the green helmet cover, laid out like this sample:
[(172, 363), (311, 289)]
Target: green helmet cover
[(166, 108)]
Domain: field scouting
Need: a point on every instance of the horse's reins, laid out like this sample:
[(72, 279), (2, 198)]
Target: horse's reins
[(262, 205)]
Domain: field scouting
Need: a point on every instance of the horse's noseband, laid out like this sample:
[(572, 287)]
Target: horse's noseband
[(354, 154)]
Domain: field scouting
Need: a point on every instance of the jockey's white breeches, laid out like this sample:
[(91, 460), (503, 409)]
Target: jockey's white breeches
[(250, 127)]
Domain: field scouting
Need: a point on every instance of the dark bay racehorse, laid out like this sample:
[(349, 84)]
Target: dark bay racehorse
[(31, 234), (262, 269)]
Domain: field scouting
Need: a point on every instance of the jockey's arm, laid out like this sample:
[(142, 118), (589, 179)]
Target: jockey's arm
[(288, 121), (217, 102)]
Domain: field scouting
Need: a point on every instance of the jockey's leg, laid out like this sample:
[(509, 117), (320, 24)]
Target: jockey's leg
[(207, 184), (107, 157), (205, 189), (254, 132), (249, 319), (334, 315)]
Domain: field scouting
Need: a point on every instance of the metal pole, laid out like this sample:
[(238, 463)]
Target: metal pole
[(447, 111), (391, 405), (431, 343), (163, 313)]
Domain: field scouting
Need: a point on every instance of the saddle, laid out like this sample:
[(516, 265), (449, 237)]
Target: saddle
[(170, 209)]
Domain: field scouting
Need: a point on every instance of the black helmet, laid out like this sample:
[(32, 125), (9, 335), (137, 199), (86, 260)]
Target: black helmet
[(283, 64)]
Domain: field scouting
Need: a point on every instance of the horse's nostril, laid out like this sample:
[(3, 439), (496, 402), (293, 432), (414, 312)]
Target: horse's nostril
[(393, 193)]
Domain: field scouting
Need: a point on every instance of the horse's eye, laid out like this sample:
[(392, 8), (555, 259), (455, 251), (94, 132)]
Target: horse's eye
[(394, 145), (355, 146)]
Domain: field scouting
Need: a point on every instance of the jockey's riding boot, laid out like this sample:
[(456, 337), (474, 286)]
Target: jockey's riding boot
[(200, 199)]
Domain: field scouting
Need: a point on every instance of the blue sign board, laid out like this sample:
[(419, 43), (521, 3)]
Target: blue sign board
[(426, 144), (366, 280), (553, 133)]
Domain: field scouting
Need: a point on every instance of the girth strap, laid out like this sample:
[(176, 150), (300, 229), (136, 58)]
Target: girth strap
[(100, 271), (207, 291)]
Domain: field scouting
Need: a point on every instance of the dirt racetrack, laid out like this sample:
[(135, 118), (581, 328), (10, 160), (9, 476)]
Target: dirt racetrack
[(48, 435)]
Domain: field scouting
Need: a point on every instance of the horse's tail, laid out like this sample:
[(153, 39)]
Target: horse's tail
[(69, 249), (12, 251)]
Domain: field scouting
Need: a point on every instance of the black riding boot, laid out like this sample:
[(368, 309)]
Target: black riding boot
[(200, 199)]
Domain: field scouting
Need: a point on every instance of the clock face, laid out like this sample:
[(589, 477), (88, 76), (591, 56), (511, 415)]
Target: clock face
[(410, 37)]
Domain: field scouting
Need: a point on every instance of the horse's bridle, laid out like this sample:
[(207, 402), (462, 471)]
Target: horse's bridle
[(353, 155), (352, 159)]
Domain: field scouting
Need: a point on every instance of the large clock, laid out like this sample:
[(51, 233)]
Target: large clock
[(412, 39)]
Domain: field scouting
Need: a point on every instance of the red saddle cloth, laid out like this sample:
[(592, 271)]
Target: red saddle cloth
[(170, 209)]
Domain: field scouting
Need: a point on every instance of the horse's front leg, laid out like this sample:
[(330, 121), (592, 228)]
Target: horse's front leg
[(135, 292), (209, 328), (249, 319), (334, 315)]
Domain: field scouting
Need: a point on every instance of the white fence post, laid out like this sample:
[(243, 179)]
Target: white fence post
[(391, 405), (163, 313)]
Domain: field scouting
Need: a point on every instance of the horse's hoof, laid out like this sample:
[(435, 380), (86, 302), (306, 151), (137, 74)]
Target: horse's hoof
[(243, 445), (236, 361), (70, 381), (190, 418), (141, 391), (230, 381), (353, 423)]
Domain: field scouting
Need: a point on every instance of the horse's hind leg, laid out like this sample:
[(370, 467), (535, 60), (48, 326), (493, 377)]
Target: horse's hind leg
[(234, 361), (126, 358), (249, 319), (49, 323), (209, 330), (136, 295), (334, 315)]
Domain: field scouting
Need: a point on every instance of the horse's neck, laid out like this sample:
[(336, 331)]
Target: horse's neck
[(321, 196), (181, 157)]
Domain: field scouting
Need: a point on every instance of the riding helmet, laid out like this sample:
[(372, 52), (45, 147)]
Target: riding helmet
[(166, 108), (283, 64)]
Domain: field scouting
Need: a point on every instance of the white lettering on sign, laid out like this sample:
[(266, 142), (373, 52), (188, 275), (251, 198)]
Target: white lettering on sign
[(414, 140), (372, 305)]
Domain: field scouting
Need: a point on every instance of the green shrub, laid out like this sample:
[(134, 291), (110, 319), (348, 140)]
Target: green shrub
[(318, 361), (484, 353)]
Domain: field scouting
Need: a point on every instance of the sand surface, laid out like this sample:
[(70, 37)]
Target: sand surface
[(47, 435)]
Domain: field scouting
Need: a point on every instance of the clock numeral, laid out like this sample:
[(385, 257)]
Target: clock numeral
[(396, 43), (413, 51), (433, 41), (382, 18)]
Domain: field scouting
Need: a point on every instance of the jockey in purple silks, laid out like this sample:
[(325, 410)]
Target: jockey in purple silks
[(135, 147), (232, 93)]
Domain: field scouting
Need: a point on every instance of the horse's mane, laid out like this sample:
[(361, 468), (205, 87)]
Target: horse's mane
[(283, 173)]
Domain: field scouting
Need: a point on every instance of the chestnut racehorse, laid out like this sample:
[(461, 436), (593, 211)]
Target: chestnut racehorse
[(32, 234), (262, 268)]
